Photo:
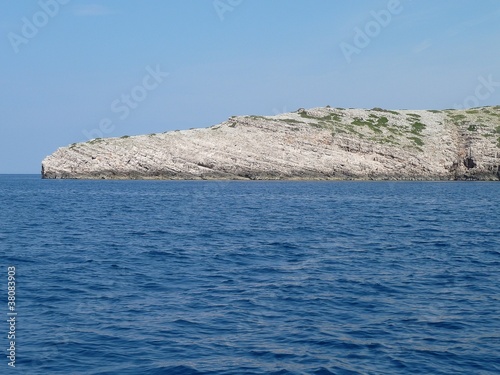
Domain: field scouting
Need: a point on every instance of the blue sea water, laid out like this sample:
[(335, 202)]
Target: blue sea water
[(174, 277)]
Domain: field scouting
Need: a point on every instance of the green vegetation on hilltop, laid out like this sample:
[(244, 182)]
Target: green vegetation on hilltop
[(417, 127), (253, 117), (377, 109), (370, 123), (96, 140), (292, 121), (418, 141), (329, 117), (457, 117), (414, 116), (407, 129)]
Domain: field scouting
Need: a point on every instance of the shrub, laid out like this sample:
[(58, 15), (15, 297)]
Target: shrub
[(360, 122), (384, 110), (382, 121), (458, 117), (292, 121), (417, 127), (96, 140), (417, 141)]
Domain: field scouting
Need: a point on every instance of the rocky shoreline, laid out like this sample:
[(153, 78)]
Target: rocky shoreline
[(315, 144)]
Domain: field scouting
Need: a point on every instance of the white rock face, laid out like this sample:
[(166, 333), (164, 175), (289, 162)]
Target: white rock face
[(319, 143)]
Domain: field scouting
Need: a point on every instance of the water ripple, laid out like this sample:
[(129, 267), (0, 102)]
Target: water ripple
[(253, 278)]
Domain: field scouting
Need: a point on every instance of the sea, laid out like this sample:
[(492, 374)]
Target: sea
[(249, 277)]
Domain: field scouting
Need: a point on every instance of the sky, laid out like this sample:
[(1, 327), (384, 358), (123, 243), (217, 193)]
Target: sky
[(73, 70)]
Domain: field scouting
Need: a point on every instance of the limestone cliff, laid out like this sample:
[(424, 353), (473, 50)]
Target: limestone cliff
[(319, 143)]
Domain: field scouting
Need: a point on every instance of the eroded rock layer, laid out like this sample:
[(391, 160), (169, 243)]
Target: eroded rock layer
[(319, 143)]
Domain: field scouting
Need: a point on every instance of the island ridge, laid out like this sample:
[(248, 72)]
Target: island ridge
[(314, 144)]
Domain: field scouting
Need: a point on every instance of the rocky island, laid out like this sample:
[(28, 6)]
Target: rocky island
[(309, 144)]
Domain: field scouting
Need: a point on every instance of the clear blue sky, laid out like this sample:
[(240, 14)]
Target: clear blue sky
[(69, 65)]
